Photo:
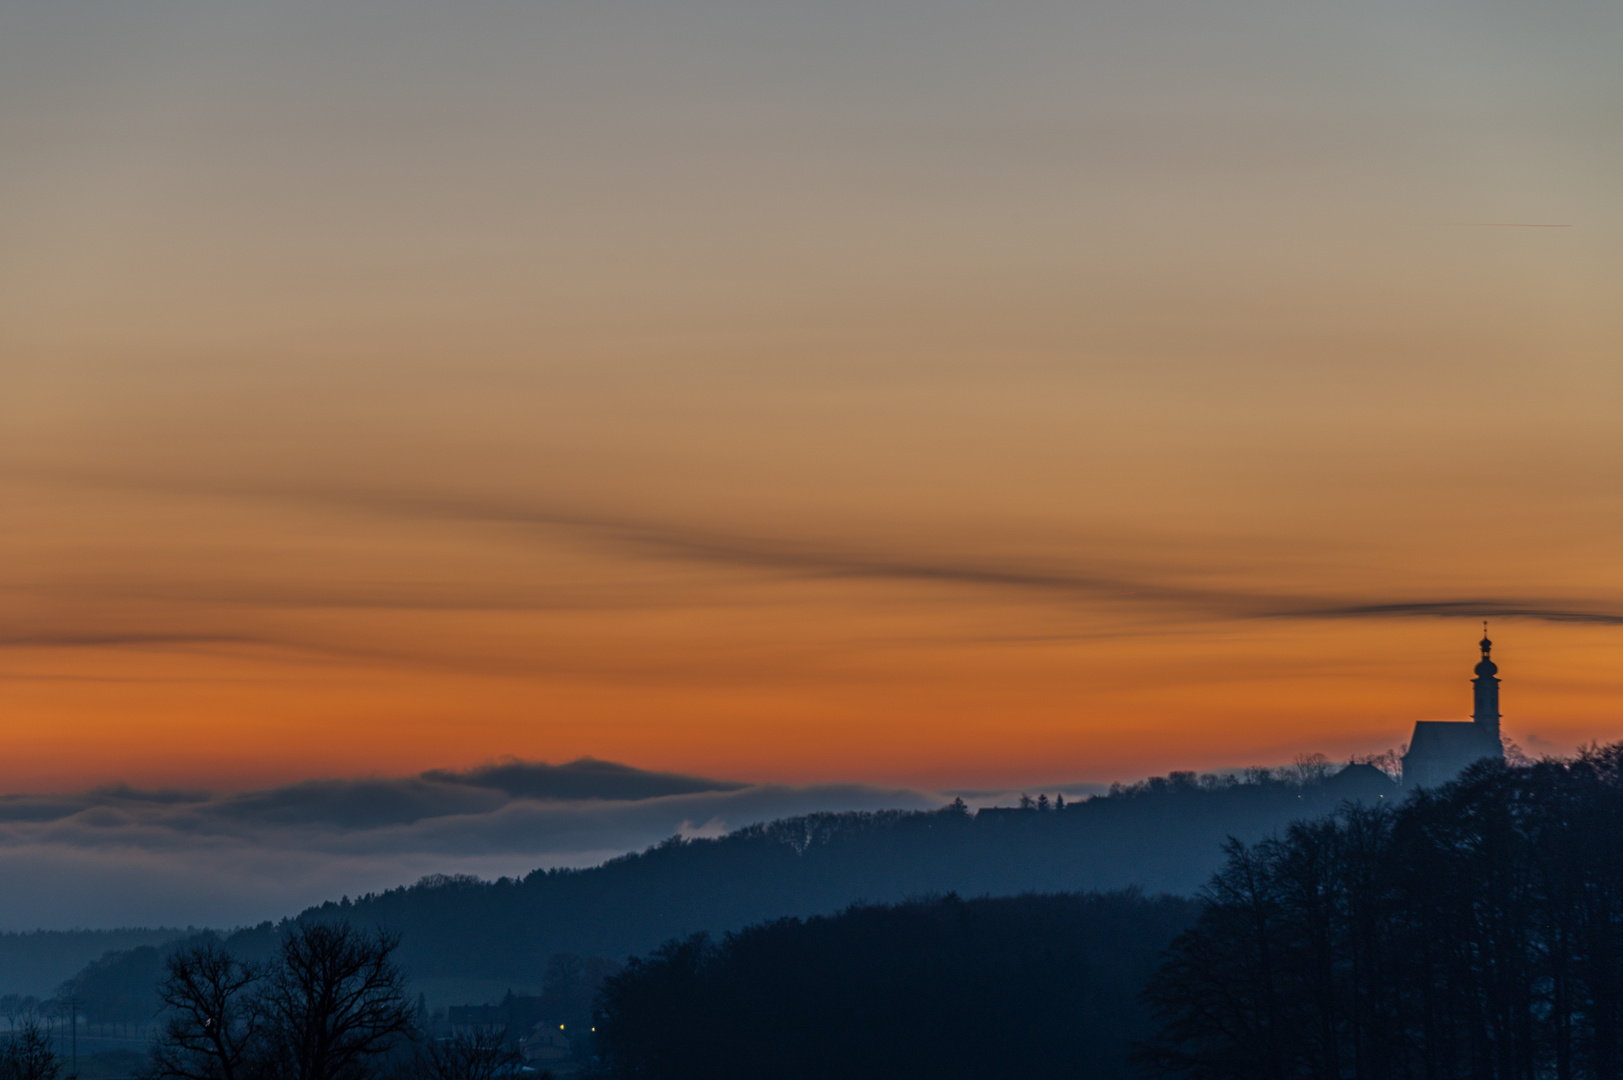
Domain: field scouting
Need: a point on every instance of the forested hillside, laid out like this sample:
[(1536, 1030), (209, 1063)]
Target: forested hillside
[(1163, 835)]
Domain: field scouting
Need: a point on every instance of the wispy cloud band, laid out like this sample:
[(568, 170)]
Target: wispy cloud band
[(1095, 582), (120, 856)]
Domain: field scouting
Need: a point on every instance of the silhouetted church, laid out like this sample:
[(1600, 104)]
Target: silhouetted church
[(1441, 748)]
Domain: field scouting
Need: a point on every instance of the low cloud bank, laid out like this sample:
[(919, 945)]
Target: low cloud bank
[(117, 856)]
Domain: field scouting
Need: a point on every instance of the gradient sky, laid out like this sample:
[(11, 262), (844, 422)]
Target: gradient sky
[(915, 393)]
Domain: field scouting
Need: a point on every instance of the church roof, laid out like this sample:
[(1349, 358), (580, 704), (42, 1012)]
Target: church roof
[(1450, 738), (1442, 749), (1360, 781)]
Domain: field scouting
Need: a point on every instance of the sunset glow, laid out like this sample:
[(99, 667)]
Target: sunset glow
[(975, 398)]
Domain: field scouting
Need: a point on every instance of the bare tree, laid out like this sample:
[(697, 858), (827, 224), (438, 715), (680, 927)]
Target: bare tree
[(334, 1002), (26, 1054), (215, 1021), (1309, 769), (482, 1055), (1389, 761), (18, 1007)]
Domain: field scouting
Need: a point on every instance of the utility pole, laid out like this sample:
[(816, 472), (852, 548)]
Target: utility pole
[(73, 1011)]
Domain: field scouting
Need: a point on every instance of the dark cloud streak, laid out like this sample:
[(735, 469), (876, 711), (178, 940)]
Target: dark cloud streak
[(784, 558), (1460, 609), (587, 778)]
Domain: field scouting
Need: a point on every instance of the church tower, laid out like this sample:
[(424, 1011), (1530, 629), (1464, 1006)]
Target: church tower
[(1486, 685), (1440, 749)]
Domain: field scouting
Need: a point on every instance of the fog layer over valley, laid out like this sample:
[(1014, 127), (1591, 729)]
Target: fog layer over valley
[(120, 857)]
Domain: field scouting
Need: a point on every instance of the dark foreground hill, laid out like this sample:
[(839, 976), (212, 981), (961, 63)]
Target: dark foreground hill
[(1473, 932), (1014, 987), (1163, 835)]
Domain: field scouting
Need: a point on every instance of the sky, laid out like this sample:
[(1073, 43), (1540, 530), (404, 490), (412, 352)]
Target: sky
[(894, 394)]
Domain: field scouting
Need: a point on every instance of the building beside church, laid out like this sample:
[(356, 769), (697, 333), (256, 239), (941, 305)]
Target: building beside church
[(1440, 749)]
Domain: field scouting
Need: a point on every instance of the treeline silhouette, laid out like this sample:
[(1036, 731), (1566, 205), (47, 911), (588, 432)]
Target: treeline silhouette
[(1163, 835), (119, 991), (33, 963), (990, 988), (1474, 931)]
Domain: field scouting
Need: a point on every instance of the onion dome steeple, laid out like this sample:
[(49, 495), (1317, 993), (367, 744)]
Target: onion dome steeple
[(1486, 666), (1486, 687)]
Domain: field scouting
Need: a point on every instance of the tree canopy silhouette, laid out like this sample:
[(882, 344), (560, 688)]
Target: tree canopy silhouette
[(1474, 931)]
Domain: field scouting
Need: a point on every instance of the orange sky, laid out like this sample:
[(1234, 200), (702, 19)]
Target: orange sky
[(800, 394)]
